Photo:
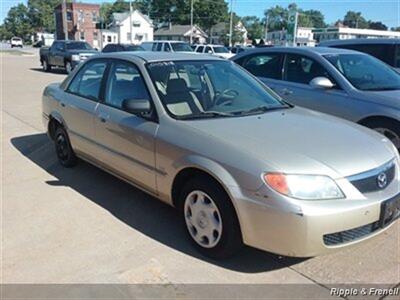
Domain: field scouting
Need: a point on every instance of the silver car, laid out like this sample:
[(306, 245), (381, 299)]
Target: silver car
[(345, 83), (240, 165)]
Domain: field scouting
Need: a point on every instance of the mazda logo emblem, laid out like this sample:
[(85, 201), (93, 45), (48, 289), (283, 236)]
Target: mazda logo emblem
[(381, 180)]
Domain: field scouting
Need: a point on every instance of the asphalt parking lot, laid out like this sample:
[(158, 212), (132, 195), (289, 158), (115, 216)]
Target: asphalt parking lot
[(82, 225)]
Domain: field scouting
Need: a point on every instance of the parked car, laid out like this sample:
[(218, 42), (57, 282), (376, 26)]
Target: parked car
[(387, 50), (121, 47), (16, 42), (167, 46), (65, 54), (216, 50), (239, 49), (246, 167), (345, 83)]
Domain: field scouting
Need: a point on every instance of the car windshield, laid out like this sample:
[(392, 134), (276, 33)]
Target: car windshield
[(221, 50), (181, 47), (210, 89), (133, 48), (78, 46), (365, 72)]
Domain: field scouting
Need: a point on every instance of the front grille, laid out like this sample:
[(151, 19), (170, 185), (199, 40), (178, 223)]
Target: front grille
[(350, 235), (368, 182)]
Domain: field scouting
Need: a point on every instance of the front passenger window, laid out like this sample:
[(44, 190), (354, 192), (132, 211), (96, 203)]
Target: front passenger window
[(88, 81), (302, 69), (125, 83)]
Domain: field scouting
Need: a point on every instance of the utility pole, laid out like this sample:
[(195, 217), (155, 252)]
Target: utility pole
[(231, 25), (130, 19), (266, 27), (64, 19), (191, 21)]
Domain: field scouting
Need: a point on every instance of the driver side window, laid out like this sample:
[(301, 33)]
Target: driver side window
[(302, 69)]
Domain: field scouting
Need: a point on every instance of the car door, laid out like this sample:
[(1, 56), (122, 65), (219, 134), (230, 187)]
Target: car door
[(299, 70), (267, 67), (79, 104), (126, 141), (58, 56)]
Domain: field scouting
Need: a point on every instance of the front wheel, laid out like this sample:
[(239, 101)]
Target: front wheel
[(210, 218), (64, 151), (68, 67), (389, 129)]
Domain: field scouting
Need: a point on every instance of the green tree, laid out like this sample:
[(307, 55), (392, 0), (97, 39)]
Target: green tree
[(354, 19), (276, 17), (254, 26), (119, 6), (315, 18), (377, 25), (41, 14), (17, 23), (209, 13)]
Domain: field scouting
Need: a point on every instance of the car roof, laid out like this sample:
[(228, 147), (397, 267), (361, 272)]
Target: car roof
[(388, 41), (298, 50), (151, 56)]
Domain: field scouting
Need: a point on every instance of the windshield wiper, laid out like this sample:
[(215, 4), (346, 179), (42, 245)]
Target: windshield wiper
[(206, 114), (262, 109)]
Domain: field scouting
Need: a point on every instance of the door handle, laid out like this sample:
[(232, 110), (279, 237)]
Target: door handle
[(62, 104), (287, 92), (103, 118)]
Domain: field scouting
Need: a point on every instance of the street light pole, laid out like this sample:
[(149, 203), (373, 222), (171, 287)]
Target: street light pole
[(230, 25), (191, 21), (130, 19)]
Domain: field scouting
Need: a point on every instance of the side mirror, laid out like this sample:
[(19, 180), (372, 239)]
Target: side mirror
[(136, 106), (321, 83)]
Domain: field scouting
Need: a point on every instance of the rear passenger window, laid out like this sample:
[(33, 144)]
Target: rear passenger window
[(200, 49), (159, 46), (154, 47), (167, 48), (88, 81), (265, 65), (302, 69), (124, 83)]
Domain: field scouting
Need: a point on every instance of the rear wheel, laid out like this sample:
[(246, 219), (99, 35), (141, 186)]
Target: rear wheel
[(46, 66), (64, 151), (389, 129), (210, 218)]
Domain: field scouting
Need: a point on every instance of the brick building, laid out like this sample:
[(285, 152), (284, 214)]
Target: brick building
[(81, 19)]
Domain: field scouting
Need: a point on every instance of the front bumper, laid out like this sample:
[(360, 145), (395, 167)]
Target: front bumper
[(309, 228)]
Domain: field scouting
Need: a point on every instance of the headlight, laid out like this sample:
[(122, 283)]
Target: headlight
[(304, 187), (75, 57)]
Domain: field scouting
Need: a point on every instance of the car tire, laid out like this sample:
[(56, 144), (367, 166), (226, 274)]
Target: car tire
[(390, 129), (46, 66), (65, 154), (210, 218), (68, 67)]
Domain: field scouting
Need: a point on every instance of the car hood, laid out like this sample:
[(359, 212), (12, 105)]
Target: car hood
[(301, 141), (388, 98)]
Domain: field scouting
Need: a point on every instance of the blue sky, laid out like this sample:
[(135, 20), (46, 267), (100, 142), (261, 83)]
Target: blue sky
[(387, 11)]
